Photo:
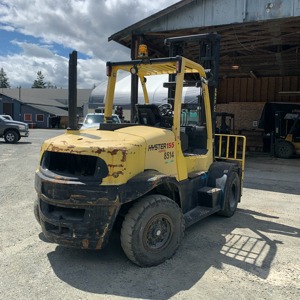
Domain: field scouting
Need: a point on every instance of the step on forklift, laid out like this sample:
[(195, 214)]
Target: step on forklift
[(151, 178)]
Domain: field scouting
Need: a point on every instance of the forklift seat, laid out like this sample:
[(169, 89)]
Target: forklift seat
[(197, 136), (148, 114)]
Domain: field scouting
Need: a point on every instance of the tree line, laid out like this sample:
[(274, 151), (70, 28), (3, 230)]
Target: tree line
[(38, 83)]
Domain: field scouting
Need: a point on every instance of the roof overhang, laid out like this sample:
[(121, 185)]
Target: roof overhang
[(259, 39)]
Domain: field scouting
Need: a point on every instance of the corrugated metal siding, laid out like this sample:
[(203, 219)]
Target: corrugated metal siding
[(258, 90), (205, 13), (200, 13), (267, 10)]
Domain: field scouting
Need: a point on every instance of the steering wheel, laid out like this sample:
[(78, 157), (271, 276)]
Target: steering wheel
[(166, 109)]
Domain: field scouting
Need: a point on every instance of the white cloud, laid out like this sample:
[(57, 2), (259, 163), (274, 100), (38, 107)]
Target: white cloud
[(34, 50), (54, 68), (84, 25)]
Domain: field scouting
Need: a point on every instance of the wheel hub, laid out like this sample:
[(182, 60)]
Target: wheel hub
[(157, 233), (10, 137)]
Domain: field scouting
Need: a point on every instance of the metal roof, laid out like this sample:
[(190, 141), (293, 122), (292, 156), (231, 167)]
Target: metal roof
[(49, 97), (261, 37), (52, 110)]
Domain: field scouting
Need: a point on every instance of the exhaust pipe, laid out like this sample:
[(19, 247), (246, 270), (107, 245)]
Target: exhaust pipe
[(72, 98)]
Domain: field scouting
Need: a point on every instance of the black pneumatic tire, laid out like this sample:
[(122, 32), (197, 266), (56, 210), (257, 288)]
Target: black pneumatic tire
[(152, 230), (232, 194), (284, 149), (11, 136)]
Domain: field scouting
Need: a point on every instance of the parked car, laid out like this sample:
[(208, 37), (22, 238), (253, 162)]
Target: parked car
[(12, 131), (93, 120)]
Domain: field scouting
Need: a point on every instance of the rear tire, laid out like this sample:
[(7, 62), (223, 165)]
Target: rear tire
[(11, 137), (284, 149), (232, 194), (152, 230)]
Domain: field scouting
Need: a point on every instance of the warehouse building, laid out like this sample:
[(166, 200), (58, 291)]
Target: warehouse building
[(259, 57)]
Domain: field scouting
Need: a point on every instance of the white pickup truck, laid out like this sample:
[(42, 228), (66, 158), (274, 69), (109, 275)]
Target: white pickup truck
[(93, 120)]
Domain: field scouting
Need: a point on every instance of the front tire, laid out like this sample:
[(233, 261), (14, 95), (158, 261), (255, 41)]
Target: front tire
[(284, 149), (11, 137), (232, 194), (152, 230)]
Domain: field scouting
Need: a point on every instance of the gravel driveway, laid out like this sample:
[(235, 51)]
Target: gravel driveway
[(253, 255)]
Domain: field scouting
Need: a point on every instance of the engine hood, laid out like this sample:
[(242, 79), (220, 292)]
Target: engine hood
[(126, 152), (92, 140), (16, 123)]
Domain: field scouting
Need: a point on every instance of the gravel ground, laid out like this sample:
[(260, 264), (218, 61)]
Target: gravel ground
[(253, 255)]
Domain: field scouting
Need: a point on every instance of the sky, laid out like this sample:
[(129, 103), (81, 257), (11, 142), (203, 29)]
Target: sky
[(39, 35)]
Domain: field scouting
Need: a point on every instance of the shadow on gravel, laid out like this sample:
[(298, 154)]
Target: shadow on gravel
[(16, 144), (212, 243)]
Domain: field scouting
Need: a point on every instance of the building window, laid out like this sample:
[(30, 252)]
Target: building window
[(40, 118), (28, 117)]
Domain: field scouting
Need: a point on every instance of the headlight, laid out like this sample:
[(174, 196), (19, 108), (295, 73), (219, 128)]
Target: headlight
[(21, 126)]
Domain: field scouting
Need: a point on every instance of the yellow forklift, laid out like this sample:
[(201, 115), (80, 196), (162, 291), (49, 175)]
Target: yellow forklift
[(287, 134), (154, 177)]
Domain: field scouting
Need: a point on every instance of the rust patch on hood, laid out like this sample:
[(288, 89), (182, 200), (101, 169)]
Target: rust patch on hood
[(99, 150), (53, 148), (117, 174), (122, 150), (115, 166), (69, 149), (113, 152), (124, 154)]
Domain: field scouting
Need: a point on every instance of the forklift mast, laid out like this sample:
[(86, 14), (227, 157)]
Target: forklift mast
[(208, 57)]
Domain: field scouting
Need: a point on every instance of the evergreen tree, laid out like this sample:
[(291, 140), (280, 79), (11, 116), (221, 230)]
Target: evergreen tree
[(39, 83), (3, 79)]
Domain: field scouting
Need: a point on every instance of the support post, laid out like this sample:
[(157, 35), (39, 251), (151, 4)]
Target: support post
[(72, 98), (134, 81)]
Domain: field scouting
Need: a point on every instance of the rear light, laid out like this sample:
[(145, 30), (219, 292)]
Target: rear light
[(108, 69), (178, 66)]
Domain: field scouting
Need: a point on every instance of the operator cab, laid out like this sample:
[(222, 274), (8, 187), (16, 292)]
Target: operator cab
[(193, 132), (155, 115)]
